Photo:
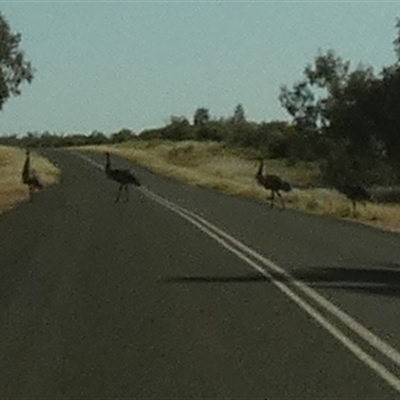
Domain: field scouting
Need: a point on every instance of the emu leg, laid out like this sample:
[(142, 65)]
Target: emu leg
[(354, 208), (118, 193), (126, 193), (30, 192), (272, 199), (281, 198)]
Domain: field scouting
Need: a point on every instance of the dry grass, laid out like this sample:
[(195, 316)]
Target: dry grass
[(12, 191), (219, 167)]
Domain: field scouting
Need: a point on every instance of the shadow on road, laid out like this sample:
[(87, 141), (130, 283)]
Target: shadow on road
[(378, 280), (215, 279)]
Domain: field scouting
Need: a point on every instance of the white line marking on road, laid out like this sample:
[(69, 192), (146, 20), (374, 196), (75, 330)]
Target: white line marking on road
[(244, 252), (347, 342), (350, 322)]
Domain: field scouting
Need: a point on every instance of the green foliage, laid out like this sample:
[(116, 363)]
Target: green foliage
[(47, 139), (239, 117), (14, 69), (214, 130), (151, 134), (243, 134), (206, 133), (122, 136), (300, 103), (329, 72), (201, 117), (396, 42), (177, 129), (348, 119), (97, 137), (385, 117), (312, 101), (276, 139)]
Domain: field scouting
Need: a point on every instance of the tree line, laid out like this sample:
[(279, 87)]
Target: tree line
[(351, 115), (344, 118), (276, 139), (47, 139)]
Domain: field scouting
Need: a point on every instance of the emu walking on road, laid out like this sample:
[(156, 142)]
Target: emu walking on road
[(123, 176), (273, 183), (355, 193), (29, 177)]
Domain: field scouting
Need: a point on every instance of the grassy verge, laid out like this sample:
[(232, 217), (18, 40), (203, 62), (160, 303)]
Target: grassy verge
[(12, 190), (217, 166)]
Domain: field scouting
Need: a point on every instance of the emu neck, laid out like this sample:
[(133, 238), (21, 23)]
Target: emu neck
[(108, 164), (25, 171), (260, 169)]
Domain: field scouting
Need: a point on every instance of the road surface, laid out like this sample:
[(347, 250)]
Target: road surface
[(184, 292)]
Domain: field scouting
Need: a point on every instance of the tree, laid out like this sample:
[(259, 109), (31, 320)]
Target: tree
[(14, 69), (179, 120), (341, 111), (327, 77), (97, 137), (238, 115), (385, 115), (178, 129), (396, 42), (300, 103), (201, 117), (122, 136)]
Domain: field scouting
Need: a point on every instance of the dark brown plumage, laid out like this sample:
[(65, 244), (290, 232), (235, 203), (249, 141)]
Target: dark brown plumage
[(123, 176), (273, 183), (355, 193), (30, 177)]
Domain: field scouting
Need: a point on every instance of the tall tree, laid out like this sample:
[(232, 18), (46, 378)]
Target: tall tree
[(300, 103), (238, 115), (14, 69), (344, 106), (327, 78), (385, 115), (396, 41), (201, 116)]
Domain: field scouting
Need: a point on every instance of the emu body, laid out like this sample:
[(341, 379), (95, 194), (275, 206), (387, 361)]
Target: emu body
[(355, 193), (273, 183), (123, 176), (30, 177)]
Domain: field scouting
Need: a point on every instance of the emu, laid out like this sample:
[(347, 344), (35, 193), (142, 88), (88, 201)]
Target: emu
[(273, 183), (123, 176), (354, 193), (29, 177)]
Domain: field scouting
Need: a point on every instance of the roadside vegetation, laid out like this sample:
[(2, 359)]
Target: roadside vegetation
[(231, 170), (12, 190), (344, 131)]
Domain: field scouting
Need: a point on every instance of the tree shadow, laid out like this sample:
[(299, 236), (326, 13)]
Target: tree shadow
[(377, 279), (383, 279), (248, 278)]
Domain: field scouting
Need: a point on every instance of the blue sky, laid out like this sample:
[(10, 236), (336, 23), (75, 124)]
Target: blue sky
[(125, 64)]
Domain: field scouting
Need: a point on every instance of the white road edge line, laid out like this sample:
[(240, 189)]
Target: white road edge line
[(223, 239), (362, 355), (382, 346)]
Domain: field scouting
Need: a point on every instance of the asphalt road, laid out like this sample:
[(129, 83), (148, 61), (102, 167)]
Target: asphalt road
[(188, 293)]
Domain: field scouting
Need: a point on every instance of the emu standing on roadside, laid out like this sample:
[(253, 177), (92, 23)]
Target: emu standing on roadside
[(123, 176), (355, 193), (273, 183), (29, 177)]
